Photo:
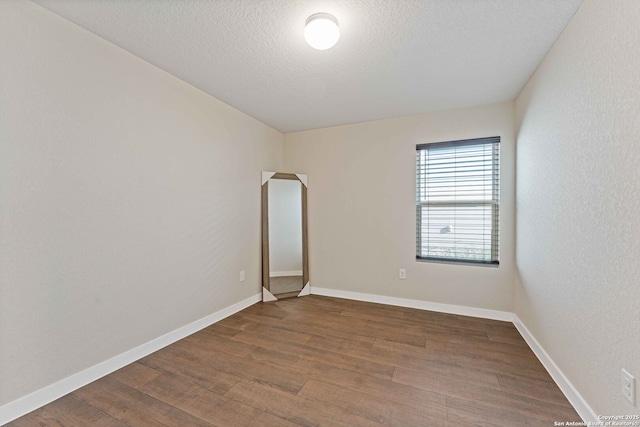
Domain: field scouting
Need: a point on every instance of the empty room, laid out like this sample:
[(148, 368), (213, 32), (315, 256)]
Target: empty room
[(319, 213)]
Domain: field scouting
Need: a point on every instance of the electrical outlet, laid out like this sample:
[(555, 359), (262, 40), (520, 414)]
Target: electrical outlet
[(242, 276), (629, 387), (402, 273)]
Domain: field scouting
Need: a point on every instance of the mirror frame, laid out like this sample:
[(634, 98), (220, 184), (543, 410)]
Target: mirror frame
[(266, 280)]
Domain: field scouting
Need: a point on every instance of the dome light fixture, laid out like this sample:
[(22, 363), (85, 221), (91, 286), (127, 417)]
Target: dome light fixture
[(321, 31)]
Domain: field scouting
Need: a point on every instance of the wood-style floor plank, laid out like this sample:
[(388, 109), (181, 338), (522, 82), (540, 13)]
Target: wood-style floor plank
[(371, 385), (321, 361), (69, 410), (207, 405), (293, 407), (199, 373), (133, 407), (341, 359), (380, 410), (479, 394)]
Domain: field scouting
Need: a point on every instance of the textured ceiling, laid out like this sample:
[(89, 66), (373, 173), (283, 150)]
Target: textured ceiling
[(394, 57)]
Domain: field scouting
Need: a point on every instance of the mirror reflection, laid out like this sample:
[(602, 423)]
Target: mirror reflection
[(285, 236)]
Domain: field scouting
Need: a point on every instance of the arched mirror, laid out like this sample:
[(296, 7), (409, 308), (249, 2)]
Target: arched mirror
[(285, 263)]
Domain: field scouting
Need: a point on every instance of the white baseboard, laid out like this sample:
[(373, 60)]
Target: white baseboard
[(48, 394), (583, 409), (35, 400), (411, 303), (284, 273)]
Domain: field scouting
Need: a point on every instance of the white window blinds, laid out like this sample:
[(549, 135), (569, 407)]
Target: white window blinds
[(458, 200)]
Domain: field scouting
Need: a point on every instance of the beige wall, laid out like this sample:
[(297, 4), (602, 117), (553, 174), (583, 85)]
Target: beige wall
[(578, 202), (129, 200), (362, 207)]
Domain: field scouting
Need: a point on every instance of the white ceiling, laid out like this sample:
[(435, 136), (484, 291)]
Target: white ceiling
[(394, 57)]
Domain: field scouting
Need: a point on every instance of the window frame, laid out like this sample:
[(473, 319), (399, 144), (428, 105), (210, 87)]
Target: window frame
[(493, 203)]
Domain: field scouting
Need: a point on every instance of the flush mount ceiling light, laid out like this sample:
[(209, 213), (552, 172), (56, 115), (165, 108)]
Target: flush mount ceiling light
[(321, 31)]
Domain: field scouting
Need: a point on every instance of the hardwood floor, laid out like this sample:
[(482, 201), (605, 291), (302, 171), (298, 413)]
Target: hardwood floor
[(326, 362)]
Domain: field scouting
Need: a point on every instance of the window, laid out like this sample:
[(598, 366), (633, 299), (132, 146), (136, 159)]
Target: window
[(458, 201)]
